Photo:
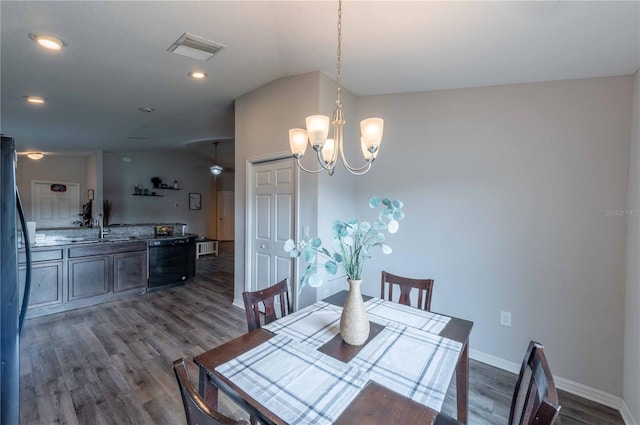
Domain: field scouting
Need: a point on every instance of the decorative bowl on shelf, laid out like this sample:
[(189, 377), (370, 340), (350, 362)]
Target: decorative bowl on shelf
[(163, 230)]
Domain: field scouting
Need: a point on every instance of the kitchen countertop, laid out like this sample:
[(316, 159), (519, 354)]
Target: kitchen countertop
[(59, 242)]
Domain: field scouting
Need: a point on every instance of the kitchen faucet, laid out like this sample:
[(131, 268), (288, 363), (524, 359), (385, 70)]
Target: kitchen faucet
[(100, 220)]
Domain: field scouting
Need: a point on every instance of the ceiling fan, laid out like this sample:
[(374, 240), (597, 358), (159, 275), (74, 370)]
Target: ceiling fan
[(215, 169)]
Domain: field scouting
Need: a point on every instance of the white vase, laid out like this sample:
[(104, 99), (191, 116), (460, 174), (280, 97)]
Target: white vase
[(354, 322)]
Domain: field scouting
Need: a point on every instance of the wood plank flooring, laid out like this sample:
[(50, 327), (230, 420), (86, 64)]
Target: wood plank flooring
[(111, 363)]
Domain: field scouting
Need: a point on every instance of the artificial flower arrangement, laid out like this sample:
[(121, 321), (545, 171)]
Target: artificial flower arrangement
[(353, 244)]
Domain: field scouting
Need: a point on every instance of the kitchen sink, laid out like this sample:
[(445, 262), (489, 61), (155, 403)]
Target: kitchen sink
[(122, 239)]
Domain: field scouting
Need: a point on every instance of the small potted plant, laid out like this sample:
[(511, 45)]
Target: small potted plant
[(156, 182)]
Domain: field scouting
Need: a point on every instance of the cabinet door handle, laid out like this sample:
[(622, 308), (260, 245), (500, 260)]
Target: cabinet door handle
[(263, 246)]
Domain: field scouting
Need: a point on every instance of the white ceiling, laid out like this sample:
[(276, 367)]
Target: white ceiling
[(117, 60)]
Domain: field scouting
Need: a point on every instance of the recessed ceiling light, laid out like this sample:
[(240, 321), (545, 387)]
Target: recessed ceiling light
[(146, 109), (198, 75), (48, 42), (35, 155), (35, 99)]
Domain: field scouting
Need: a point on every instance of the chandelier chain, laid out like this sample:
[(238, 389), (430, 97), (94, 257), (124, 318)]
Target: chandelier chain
[(339, 52)]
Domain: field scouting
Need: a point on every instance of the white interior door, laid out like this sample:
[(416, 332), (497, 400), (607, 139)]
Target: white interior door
[(55, 209), (226, 217), (272, 194)]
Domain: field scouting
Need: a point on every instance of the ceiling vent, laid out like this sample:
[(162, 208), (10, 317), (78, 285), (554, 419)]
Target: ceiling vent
[(195, 47)]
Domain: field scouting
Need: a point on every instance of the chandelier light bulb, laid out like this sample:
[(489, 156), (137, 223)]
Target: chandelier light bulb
[(298, 141), (327, 150), (318, 130)]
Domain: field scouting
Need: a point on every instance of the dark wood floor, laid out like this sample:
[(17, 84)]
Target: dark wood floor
[(111, 364)]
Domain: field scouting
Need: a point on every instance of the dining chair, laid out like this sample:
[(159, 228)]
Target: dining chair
[(267, 297), (535, 399), (406, 284), (195, 408)]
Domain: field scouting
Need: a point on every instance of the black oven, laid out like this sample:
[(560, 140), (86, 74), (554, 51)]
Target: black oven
[(168, 261)]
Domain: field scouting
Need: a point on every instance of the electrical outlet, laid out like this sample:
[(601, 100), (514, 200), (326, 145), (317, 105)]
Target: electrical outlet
[(505, 318)]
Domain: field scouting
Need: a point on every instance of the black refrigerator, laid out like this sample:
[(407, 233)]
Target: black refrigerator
[(13, 304)]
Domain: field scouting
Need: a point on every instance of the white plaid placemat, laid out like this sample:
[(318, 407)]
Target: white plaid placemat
[(313, 325), (383, 312), (411, 362), (294, 381)]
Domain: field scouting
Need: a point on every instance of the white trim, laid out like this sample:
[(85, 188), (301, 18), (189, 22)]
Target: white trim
[(626, 414), (238, 303), (564, 384)]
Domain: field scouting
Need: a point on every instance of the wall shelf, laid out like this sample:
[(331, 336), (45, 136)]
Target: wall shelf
[(166, 188), (142, 194)]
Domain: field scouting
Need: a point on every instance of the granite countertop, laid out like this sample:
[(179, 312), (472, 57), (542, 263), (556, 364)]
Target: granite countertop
[(55, 242)]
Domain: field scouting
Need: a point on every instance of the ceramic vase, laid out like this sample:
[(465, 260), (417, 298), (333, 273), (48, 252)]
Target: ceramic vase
[(354, 322)]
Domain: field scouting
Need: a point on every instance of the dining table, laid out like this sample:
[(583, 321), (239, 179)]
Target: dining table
[(297, 369)]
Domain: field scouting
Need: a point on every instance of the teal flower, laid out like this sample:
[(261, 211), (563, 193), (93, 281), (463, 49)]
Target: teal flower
[(353, 243)]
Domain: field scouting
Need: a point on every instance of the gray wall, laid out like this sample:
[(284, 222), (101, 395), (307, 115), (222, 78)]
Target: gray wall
[(191, 171), (505, 192), (632, 294)]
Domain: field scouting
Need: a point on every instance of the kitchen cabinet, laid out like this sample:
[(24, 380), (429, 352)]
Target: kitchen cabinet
[(129, 271), (47, 284), (104, 268), (89, 277), (79, 275)]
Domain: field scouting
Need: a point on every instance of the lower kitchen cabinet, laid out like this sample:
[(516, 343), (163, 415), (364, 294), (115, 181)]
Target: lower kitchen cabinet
[(88, 277), (82, 275), (46, 283), (129, 271)]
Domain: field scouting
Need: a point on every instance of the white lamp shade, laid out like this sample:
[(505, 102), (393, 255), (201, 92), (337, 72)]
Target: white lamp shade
[(298, 141), (327, 150), (317, 129), (365, 151), (372, 129)]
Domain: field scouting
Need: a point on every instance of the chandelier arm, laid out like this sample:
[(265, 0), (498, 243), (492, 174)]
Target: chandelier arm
[(353, 170), (311, 171), (326, 166)]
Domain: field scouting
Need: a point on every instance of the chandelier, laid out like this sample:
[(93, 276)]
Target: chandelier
[(317, 131)]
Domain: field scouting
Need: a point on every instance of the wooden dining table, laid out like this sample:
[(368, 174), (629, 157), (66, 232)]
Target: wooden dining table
[(374, 403)]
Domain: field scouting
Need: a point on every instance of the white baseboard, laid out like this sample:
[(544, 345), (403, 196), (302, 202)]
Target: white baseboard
[(238, 303), (626, 414), (564, 384)]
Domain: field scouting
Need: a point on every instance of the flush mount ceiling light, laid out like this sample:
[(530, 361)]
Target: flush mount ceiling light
[(195, 47), (48, 42), (197, 75), (35, 99), (35, 155), (317, 131), (215, 169), (146, 109)]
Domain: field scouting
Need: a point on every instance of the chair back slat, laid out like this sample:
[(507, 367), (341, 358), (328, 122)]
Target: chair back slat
[(196, 409), (535, 399), (267, 296), (406, 285)]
